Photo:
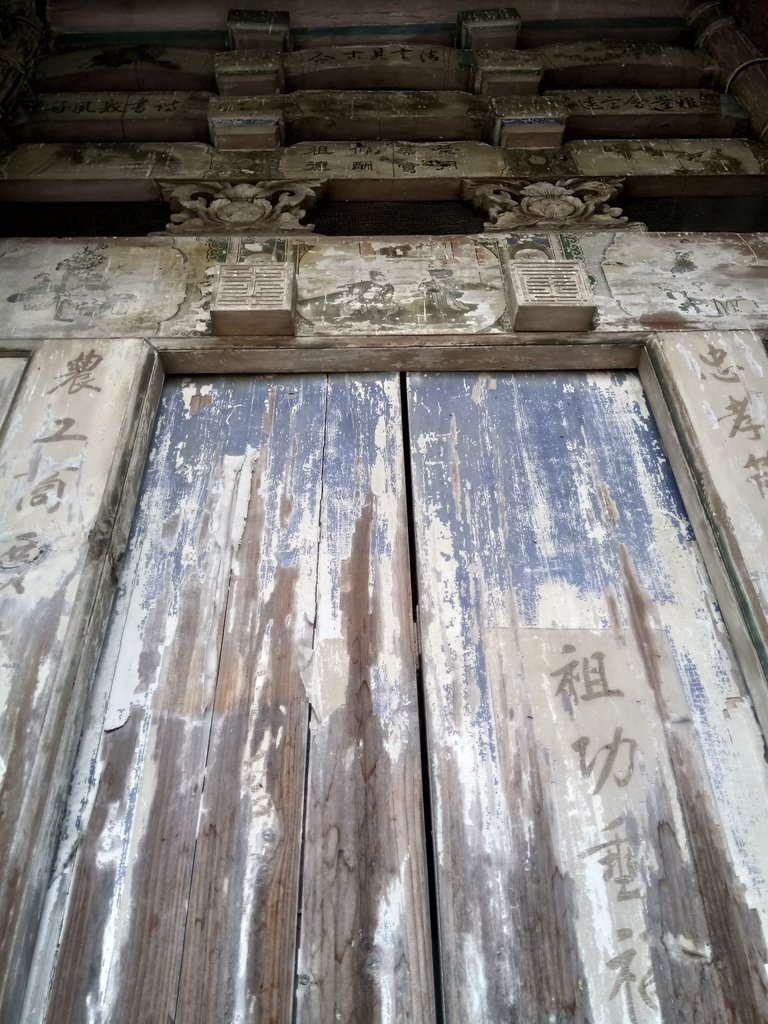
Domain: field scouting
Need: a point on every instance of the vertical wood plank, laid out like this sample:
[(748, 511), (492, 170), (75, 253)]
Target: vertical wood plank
[(597, 772), (240, 940), (181, 852), (71, 457), (11, 370), (715, 385), (365, 950)]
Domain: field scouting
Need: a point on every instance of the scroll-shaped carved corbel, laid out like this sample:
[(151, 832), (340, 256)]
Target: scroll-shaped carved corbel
[(261, 207), (560, 205)]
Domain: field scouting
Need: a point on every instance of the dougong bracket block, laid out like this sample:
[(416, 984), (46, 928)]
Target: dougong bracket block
[(258, 30), (495, 28)]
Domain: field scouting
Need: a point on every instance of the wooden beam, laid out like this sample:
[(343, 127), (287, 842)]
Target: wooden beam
[(126, 69), (393, 66), (379, 171), (116, 117), (741, 67), (376, 358), (237, 122), (377, 292), (143, 15), (598, 64), (648, 113), (261, 122)]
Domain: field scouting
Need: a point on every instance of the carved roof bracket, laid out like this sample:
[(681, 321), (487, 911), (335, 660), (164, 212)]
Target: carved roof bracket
[(563, 205), (259, 207)]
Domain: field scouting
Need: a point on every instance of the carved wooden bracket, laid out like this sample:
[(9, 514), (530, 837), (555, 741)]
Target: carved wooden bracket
[(261, 207), (567, 204)]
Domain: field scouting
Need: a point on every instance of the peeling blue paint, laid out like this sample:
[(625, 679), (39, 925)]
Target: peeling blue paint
[(555, 426)]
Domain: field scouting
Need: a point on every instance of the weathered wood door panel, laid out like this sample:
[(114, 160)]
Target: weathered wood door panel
[(221, 694), (365, 947), (245, 837), (597, 777)]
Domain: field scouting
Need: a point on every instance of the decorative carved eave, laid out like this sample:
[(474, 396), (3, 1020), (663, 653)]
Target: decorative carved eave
[(262, 207), (566, 204), (21, 34)]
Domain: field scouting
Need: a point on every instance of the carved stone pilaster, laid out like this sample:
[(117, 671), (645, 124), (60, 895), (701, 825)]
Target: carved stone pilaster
[(564, 205), (261, 207)]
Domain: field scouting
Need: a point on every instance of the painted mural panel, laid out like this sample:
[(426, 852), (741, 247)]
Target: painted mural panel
[(388, 285), (90, 288), (598, 781), (401, 286), (666, 281)]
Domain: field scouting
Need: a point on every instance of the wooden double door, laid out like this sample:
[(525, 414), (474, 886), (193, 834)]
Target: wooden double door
[(415, 705)]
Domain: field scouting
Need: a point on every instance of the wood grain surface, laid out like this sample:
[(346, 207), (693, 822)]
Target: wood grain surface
[(365, 947), (714, 384), (71, 457), (262, 642), (182, 778), (596, 770)]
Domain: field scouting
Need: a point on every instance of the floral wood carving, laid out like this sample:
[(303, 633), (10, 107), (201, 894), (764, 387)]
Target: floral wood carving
[(261, 207), (565, 204)]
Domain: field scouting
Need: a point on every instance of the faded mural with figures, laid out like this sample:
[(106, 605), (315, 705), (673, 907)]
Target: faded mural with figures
[(161, 286), (401, 287), (87, 288)]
